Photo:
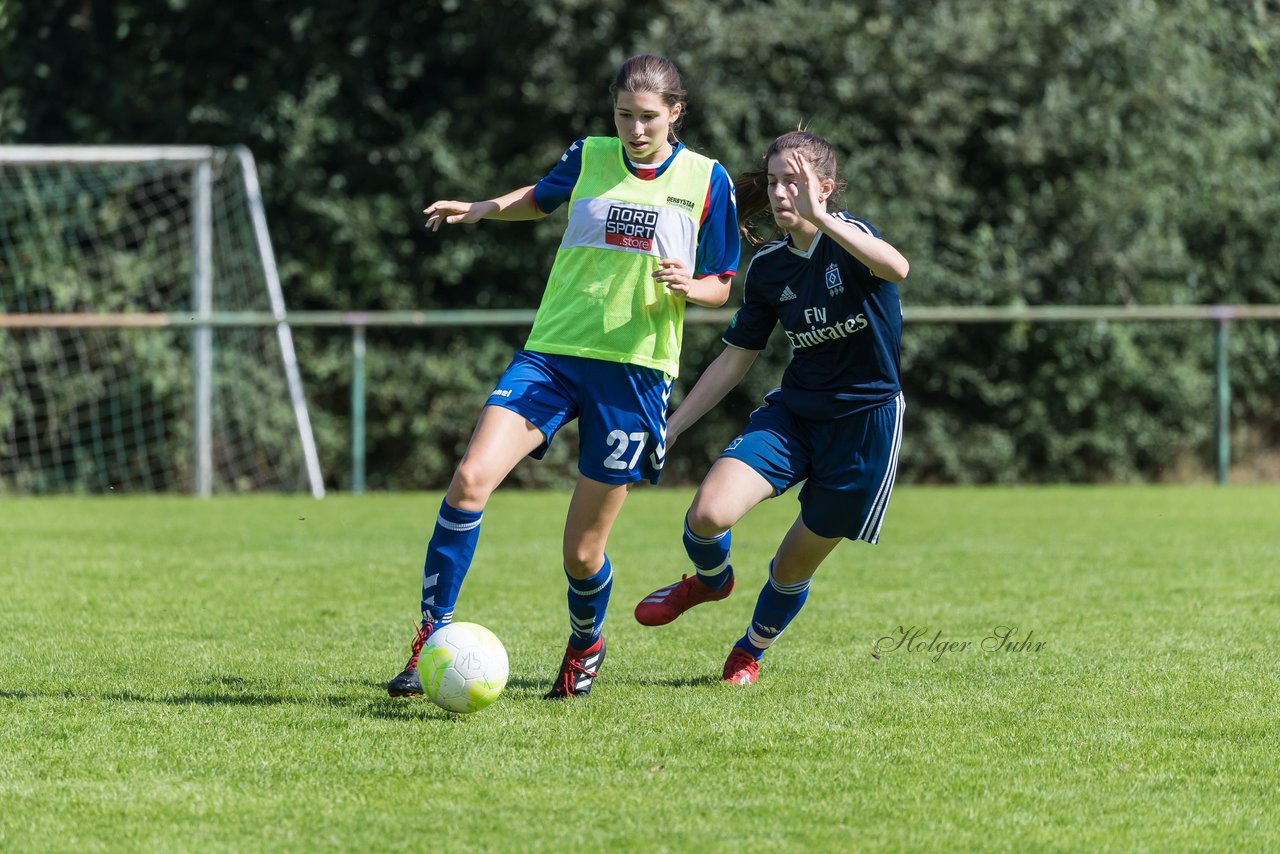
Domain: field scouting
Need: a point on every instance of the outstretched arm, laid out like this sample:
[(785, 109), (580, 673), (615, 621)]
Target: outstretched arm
[(511, 207), (725, 372)]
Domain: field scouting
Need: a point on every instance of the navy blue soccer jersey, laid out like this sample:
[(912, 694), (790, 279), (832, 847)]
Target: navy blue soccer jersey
[(843, 322)]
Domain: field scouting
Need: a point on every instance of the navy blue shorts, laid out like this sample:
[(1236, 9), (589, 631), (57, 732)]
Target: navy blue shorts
[(621, 409), (848, 464)]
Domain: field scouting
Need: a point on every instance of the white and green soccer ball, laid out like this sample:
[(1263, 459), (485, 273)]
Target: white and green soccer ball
[(463, 667)]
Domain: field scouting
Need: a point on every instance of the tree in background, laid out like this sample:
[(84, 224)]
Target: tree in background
[(1034, 152)]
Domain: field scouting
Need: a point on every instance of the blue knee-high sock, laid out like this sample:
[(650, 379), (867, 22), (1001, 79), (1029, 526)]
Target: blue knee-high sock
[(453, 543), (588, 599), (777, 606), (710, 556)]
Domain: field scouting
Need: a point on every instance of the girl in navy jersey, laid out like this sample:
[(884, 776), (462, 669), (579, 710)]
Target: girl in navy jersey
[(651, 226), (834, 422)]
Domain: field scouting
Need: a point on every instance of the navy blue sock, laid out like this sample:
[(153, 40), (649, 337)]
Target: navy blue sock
[(588, 599), (710, 556), (777, 606), (453, 544)]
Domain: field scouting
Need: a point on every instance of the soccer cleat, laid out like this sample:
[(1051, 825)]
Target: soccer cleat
[(578, 671), (408, 683), (741, 668), (662, 606)]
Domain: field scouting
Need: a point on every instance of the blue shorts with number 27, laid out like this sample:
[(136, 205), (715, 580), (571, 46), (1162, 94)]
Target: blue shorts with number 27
[(621, 409)]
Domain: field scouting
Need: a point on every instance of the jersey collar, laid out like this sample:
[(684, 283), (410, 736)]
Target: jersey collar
[(647, 171), (791, 246)]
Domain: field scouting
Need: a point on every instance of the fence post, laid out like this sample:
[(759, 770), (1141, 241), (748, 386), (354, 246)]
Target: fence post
[(357, 409), (1224, 402)]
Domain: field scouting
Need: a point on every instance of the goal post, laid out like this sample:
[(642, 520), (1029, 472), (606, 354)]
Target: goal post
[(132, 235)]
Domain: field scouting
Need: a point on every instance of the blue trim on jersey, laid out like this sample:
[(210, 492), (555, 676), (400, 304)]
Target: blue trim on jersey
[(719, 242), (557, 186), (843, 322)]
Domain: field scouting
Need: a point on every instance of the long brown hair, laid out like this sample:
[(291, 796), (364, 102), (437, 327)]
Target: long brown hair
[(648, 73), (752, 186)]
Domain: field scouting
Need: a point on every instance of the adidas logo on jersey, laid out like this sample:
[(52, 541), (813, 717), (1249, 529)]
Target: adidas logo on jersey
[(787, 294)]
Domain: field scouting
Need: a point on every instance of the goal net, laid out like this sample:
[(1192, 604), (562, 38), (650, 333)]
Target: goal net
[(123, 367)]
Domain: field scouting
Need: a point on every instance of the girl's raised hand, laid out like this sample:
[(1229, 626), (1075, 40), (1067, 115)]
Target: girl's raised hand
[(451, 212), (806, 189)]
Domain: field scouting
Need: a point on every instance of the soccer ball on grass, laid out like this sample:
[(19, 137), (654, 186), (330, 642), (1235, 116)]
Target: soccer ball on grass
[(463, 667)]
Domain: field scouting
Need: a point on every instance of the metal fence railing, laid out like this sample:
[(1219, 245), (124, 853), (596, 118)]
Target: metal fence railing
[(359, 322)]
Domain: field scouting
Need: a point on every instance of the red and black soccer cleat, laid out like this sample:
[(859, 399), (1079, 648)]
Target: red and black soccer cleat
[(664, 605), (408, 683), (578, 672), (741, 668)]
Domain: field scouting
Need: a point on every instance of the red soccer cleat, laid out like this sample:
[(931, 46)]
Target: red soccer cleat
[(662, 606), (741, 668), (408, 683), (578, 671)]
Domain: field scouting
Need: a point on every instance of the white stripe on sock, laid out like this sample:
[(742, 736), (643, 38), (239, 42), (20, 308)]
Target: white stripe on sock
[(698, 538), (457, 526), (593, 590), (788, 589)]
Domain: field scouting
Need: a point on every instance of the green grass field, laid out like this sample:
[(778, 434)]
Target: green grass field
[(178, 674)]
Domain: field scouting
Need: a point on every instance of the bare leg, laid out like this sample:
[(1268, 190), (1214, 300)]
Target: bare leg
[(728, 491), (800, 554), (592, 512), (780, 600), (501, 439)]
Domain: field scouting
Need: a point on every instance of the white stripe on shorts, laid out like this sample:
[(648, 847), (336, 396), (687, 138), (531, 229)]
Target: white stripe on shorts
[(871, 527)]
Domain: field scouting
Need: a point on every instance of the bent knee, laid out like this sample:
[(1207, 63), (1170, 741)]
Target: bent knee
[(471, 486), (708, 518), (582, 563)]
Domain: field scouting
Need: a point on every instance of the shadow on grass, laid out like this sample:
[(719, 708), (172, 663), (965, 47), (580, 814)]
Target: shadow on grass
[(364, 704), (678, 682), (368, 699), (212, 698), (405, 709), (524, 683)]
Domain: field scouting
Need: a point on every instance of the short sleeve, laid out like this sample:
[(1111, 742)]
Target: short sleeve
[(751, 327), (719, 243), (556, 188)]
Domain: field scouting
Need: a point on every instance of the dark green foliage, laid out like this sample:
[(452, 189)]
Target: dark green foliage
[(1029, 152)]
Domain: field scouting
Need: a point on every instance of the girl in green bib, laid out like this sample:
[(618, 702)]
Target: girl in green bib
[(652, 226)]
